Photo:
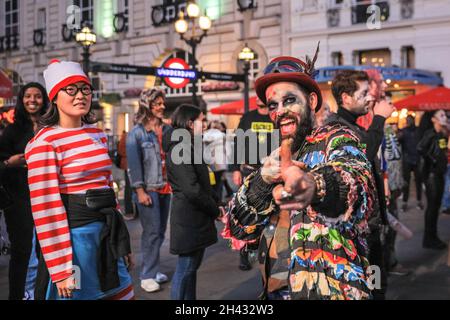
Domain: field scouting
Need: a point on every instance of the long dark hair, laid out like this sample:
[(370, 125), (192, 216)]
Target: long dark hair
[(21, 115), (51, 117), (426, 123), (183, 115)]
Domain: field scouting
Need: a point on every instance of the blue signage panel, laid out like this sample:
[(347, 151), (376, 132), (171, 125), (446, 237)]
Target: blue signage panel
[(176, 73), (394, 73)]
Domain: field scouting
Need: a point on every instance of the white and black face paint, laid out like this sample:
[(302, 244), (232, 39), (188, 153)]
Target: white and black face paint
[(290, 110)]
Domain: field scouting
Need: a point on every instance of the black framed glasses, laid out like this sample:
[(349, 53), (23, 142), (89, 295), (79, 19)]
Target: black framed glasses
[(283, 66), (72, 89)]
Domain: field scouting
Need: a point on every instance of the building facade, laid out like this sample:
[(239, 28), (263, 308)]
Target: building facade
[(137, 32), (405, 33)]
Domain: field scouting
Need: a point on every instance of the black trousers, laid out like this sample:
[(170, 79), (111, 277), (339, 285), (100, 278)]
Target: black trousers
[(407, 168), (434, 192), (128, 194), (19, 224), (391, 259), (377, 257), (218, 187)]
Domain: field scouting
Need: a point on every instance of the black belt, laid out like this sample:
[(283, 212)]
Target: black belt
[(95, 205)]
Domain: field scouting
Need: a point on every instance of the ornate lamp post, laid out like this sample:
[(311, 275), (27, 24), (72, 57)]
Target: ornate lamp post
[(182, 26), (246, 55), (86, 37)]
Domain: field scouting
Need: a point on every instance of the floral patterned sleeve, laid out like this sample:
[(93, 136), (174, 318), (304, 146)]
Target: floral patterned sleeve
[(349, 184)]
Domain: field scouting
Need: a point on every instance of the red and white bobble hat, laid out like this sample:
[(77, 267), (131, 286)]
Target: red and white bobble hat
[(60, 74)]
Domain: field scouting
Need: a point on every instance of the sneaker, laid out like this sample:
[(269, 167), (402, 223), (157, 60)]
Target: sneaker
[(244, 264), (436, 244), (129, 216), (399, 270), (161, 277), (150, 285), (420, 205)]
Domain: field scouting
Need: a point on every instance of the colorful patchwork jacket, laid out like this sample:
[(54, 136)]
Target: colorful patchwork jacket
[(320, 252)]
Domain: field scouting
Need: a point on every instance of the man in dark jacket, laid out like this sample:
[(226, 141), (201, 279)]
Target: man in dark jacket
[(350, 89), (258, 127), (408, 137)]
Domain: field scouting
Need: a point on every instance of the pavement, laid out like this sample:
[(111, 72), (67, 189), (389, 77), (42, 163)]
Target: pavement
[(220, 279)]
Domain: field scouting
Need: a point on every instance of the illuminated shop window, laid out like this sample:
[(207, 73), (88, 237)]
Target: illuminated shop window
[(376, 58)]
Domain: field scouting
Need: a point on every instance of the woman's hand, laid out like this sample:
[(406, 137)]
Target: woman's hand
[(143, 197), (16, 160), (129, 261), (65, 287)]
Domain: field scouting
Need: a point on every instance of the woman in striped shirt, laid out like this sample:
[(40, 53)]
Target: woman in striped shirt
[(85, 249)]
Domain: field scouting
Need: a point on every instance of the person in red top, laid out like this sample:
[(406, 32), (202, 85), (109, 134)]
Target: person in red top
[(152, 192), (130, 212), (84, 243)]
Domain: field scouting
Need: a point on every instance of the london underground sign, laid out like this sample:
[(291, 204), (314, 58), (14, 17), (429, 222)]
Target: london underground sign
[(177, 82)]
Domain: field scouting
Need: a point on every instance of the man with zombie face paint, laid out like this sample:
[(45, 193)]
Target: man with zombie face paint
[(360, 97), (309, 204)]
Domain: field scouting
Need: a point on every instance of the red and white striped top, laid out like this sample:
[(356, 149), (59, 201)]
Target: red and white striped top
[(63, 161)]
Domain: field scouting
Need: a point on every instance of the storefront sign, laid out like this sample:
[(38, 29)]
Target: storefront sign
[(178, 78)]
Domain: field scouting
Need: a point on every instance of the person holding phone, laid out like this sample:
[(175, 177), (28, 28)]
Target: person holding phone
[(32, 103)]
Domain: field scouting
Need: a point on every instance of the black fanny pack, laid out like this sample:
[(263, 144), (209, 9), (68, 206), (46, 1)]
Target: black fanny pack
[(97, 199)]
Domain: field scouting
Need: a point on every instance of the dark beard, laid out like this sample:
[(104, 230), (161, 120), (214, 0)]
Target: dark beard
[(304, 128)]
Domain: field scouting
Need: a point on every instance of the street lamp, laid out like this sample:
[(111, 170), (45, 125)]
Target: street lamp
[(182, 26), (86, 37), (246, 55)]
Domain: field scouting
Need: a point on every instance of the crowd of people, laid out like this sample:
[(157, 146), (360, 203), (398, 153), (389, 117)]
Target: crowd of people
[(317, 199)]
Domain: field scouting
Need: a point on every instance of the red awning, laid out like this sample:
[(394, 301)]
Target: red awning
[(235, 107), (434, 99), (6, 86)]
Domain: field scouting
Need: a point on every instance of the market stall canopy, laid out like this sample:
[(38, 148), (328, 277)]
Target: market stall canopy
[(235, 107), (6, 86), (434, 99)]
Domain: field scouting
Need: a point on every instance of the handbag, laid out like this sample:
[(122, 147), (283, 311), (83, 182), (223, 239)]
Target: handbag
[(5, 198), (97, 199)]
